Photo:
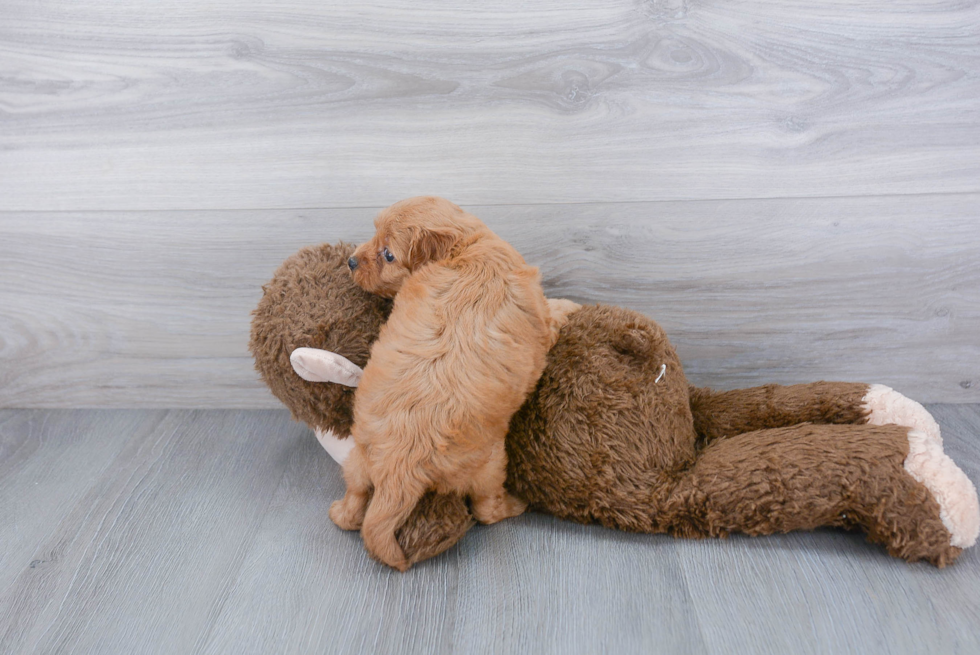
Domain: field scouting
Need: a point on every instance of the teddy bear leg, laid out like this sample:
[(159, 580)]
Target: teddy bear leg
[(808, 476), (348, 513), (927, 462), (720, 414)]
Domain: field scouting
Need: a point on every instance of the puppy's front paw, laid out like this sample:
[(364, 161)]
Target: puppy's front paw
[(346, 515)]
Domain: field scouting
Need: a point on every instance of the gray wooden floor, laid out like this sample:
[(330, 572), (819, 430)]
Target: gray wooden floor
[(206, 531)]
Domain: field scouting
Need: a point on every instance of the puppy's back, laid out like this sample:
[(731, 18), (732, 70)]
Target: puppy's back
[(466, 340)]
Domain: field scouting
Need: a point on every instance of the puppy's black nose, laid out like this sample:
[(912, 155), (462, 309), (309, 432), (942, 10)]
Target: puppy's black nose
[(352, 263)]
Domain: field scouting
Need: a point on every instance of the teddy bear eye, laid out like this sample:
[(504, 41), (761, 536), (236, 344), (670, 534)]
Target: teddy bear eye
[(388, 256)]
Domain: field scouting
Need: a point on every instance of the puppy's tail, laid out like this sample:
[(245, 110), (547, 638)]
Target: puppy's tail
[(390, 507)]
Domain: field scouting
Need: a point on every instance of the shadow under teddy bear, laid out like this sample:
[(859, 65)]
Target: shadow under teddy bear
[(613, 434)]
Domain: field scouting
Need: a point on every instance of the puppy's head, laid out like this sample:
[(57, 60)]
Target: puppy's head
[(409, 235)]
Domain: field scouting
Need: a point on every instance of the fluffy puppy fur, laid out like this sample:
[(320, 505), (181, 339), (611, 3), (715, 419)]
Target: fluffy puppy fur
[(464, 345)]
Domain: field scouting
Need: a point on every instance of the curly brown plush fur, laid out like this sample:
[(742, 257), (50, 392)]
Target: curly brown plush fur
[(600, 442), (772, 406), (311, 302), (605, 438)]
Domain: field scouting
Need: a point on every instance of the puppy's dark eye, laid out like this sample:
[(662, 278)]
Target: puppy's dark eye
[(388, 256)]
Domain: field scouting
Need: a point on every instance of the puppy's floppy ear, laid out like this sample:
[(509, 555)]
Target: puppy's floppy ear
[(430, 244)]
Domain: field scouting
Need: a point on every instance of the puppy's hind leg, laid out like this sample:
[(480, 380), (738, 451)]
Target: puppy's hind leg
[(348, 513), (490, 501), (393, 502)]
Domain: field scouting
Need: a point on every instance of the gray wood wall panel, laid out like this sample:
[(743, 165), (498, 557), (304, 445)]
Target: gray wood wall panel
[(153, 157), (266, 104), (152, 309), (207, 532)]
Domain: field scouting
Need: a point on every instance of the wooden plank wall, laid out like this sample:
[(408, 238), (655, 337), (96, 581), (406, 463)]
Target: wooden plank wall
[(790, 188)]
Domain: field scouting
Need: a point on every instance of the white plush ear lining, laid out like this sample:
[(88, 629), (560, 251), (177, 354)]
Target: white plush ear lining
[(317, 365)]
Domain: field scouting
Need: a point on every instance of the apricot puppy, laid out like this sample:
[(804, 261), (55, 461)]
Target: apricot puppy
[(464, 345)]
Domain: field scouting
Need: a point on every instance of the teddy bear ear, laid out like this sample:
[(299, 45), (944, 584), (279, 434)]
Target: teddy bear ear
[(315, 365)]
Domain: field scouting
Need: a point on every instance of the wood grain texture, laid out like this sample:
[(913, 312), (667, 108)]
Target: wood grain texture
[(483, 596), (153, 543), (152, 309), (49, 462), (267, 104), (207, 532)]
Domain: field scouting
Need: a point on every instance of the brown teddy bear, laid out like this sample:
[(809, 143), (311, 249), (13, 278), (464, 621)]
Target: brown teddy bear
[(613, 434)]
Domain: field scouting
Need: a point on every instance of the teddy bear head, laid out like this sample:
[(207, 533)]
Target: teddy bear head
[(312, 302)]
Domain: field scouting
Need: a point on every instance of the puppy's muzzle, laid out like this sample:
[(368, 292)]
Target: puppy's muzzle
[(352, 263)]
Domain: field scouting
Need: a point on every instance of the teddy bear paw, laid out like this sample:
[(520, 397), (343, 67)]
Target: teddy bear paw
[(885, 405), (959, 508), (336, 447)]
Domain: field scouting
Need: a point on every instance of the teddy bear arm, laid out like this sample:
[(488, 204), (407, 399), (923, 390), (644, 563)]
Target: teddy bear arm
[(808, 476), (720, 414)]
